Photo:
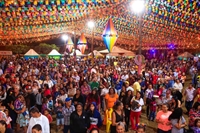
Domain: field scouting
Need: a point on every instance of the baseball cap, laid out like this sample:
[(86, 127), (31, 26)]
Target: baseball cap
[(67, 99)]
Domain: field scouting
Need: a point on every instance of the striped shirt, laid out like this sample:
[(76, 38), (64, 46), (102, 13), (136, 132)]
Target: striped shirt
[(67, 112)]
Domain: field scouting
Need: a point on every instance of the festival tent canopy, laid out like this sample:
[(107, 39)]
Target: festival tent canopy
[(96, 54), (31, 54), (54, 54), (78, 53), (185, 55), (117, 51)]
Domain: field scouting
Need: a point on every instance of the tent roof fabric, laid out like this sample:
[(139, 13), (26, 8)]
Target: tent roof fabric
[(54, 52), (117, 51), (186, 55), (31, 52), (96, 53), (78, 53)]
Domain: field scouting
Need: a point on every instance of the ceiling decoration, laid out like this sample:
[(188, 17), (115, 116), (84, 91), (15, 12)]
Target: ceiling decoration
[(164, 21)]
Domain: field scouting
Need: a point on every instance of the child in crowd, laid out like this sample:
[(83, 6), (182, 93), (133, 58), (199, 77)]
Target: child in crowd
[(59, 115), (8, 120), (46, 113), (140, 128), (19, 105), (196, 128), (2, 107), (50, 103), (44, 105), (152, 109)]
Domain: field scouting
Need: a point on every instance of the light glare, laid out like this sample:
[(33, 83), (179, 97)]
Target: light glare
[(138, 6), (91, 24), (64, 37)]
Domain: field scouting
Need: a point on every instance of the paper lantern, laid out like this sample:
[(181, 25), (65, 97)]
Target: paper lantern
[(82, 48), (70, 45), (109, 35), (82, 43)]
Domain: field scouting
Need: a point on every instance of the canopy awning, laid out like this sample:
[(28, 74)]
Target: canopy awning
[(31, 52)]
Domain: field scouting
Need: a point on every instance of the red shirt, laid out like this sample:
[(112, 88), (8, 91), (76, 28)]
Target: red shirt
[(198, 94), (90, 99), (49, 117), (153, 106), (47, 92), (155, 78)]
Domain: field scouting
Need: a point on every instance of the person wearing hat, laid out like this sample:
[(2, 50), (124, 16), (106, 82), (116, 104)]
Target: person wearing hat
[(67, 111), (137, 86), (128, 87)]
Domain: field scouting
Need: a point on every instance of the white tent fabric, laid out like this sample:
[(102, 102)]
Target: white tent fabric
[(96, 53), (54, 52), (117, 51), (31, 52), (78, 53), (186, 55)]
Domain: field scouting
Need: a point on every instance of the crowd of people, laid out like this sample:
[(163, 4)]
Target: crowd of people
[(81, 98)]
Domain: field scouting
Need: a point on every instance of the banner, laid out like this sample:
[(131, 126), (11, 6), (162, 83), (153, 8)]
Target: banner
[(5, 53)]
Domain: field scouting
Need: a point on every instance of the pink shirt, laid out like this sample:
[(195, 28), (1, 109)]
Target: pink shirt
[(161, 116)]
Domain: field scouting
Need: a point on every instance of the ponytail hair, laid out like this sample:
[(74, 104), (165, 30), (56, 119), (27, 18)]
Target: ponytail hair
[(117, 104)]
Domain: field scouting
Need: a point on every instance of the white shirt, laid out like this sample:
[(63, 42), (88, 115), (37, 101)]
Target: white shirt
[(62, 97), (76, 78), (178, 86), (146, 74), (133, 72), (1, 72), (42, 120), (124, 77), (50, 83), (189, 94), (141, 103), (147, 92), (104, 91)]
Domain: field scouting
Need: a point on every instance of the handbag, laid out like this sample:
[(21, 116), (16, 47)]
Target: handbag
[(134, 105)]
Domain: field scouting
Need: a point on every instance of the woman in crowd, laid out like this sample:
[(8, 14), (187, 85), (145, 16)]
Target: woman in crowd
[(111, 98), (168, 97), (122, 93), (175, 103), (177, 120), (193, 114), (137, 103), (127, 107), (120, 128), (94, 116), (85, 89), (117, 116), (93, 97), (62, 95), (196, 128), (46, 90), (164, 125), (78, 98), (94, 130), (35, 87), (141, 129), (79, 120), (178, 85), (3, 127)]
